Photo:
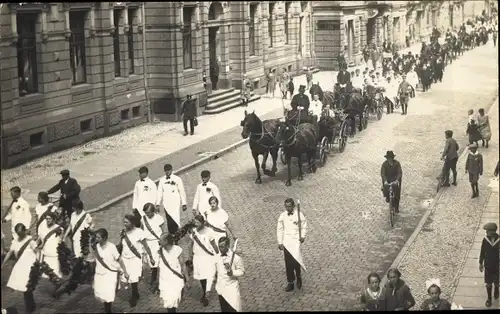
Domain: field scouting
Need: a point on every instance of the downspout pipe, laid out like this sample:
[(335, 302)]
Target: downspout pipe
[(145, 64)]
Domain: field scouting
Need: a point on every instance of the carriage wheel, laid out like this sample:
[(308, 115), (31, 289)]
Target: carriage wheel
[(343, 136), (282, 156), (323, 151)]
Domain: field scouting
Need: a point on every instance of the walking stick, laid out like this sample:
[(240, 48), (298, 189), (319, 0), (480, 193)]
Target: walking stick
[(234, 253), (299, 222)]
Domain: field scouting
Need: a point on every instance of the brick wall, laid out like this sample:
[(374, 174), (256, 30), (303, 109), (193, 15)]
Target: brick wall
[(58, 108)]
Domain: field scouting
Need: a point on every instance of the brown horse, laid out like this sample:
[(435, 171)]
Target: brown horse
[(262, 141), (296, 140)]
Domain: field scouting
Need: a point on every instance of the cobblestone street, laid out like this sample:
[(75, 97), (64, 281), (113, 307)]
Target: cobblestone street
[(349, 233)]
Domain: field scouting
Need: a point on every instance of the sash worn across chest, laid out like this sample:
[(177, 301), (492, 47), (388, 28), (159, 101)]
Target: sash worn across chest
[(77, 226), (132, 248), (214, 227), (170, 267), (102, 262), (43, 216), (51, 232), (150, 229), (204, 248), (22, 249)]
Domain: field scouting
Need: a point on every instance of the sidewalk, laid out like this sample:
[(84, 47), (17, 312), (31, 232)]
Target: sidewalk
[(447, 246), (106, 174)]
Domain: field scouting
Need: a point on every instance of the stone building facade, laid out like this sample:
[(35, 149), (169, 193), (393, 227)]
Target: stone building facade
[(245, 36), (350, 25), (72, 72)]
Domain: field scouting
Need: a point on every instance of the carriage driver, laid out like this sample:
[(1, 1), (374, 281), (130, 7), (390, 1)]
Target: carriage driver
[(300, 100)]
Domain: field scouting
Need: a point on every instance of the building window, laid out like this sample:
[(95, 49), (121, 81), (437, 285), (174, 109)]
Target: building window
[(251, 29), (86, 125), (26, 54), (116, 42), (130, 40), (136, 111), (287, 9), (36, 139), (187, 44), (125, 114), (77, 47), (270, 24)]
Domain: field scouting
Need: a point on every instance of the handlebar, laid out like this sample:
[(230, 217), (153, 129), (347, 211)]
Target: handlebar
[(396, 182)]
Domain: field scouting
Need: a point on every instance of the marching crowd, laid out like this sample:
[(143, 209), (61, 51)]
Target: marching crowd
[(66, 248)]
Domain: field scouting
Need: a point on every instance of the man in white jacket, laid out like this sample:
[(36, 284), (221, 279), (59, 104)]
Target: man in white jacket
[(145, 191), (18, 211), (171, 195)]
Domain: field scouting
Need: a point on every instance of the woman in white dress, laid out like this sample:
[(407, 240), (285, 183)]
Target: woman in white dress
[(108, 267), (133, 243), (48, 241), (173, 273), (24, 249), (43, 207), (79, 221), (217, 219)]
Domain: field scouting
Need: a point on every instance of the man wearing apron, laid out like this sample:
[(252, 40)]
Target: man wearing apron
[(291, 234)]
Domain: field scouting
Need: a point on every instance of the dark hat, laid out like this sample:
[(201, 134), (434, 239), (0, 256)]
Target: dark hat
[(302, 87), (490, 226), (378, 73), (143, 169), (389, 154), (64, 172), (448, 133)]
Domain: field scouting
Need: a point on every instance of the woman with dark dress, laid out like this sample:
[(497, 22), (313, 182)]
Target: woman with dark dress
[(370, 296), (473, 132), (396, 295), (434, 302)]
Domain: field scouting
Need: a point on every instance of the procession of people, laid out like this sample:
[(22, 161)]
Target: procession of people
[(60, 237)]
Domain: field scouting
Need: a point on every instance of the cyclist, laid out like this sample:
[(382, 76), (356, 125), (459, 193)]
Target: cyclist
[(390, 172), (450, 157), (403, 94)]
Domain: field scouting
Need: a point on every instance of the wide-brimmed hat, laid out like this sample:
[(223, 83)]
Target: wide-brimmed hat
[(491, 226), (389, 154)]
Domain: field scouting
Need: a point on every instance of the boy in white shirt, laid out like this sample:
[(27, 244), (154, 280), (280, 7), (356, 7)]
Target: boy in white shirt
[(144, 192), (204, 191), (18, 211)]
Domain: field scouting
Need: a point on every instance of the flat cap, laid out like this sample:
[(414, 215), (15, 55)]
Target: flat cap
[(490, 226), (64, 172)]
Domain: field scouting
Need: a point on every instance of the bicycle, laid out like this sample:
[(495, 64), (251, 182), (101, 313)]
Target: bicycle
[(392, 197), (441, 179)]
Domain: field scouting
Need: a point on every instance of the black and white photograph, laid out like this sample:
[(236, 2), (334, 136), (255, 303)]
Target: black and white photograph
[(249, 156)]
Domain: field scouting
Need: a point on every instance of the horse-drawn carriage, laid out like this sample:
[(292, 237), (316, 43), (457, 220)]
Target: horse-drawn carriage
[(298, 117)]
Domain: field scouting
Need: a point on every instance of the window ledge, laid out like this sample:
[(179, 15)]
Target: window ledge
[(30, 99), (189, 70), (81, 88)]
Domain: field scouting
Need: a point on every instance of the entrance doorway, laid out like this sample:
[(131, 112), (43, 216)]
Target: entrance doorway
[(370, 31), (214, 53)]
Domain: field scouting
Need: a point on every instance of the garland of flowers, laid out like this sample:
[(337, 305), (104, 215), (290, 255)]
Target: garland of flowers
[(47, 270), (34, 276), (65, 256), (183, 231), (85, 240)]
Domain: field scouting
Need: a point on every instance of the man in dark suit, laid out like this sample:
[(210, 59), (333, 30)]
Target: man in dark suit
[(189, 114), (70, 191)]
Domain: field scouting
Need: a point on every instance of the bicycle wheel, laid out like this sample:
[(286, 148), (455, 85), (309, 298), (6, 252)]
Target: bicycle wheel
[(391, 211)]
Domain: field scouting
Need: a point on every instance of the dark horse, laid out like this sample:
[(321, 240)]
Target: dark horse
[(353, 105), (262, 141), (296, 140)]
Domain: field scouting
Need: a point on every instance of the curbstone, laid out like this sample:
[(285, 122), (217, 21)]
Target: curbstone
[(181, 170)]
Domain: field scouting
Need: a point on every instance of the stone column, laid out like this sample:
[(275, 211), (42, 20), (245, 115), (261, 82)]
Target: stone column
[(379, 32), (362, 32), (390, 30), (225, 74)]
